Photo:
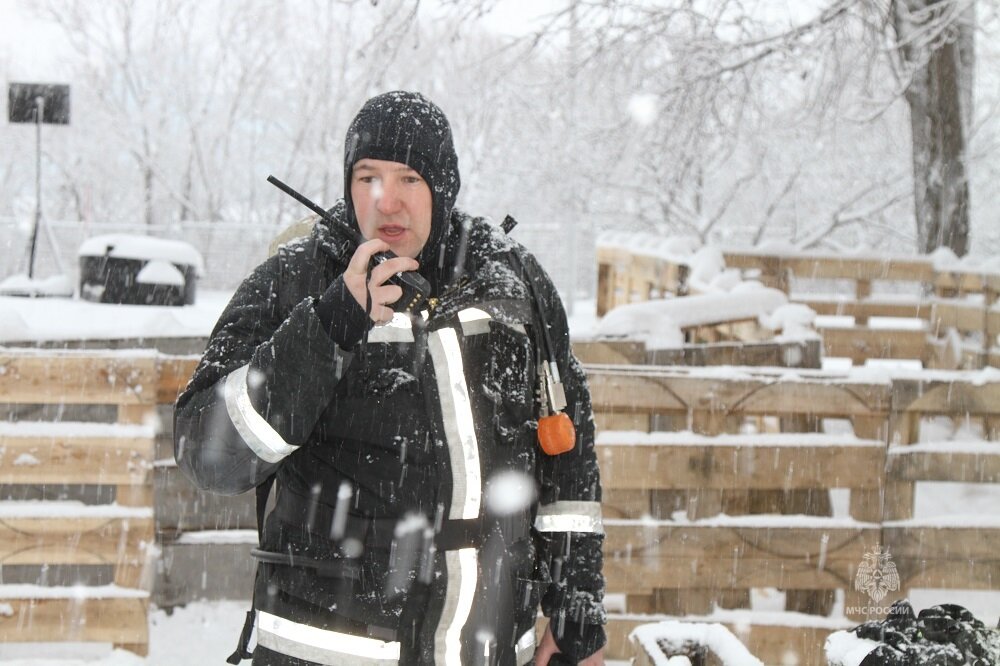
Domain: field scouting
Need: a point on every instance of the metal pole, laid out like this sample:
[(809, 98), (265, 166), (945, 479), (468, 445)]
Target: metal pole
[(39, 111)]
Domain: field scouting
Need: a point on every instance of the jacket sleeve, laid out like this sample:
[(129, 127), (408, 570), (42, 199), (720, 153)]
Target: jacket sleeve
[(568, 521), (263, 381)]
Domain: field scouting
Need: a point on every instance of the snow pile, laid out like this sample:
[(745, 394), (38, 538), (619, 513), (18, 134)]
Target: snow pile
[(672, 637), (794, 320), (160, 272), (48, 320), (660, 323), (59, 286), (69, 509), (675, 249)]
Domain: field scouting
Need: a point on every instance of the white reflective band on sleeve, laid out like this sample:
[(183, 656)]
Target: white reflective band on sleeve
[(570, 517), (474, 321), (524, 650), (255, 431), (459, 427), (398, 329), (322, 646), (463, 578)]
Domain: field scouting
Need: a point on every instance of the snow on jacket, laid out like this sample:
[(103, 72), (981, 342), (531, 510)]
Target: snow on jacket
[(414, 427)]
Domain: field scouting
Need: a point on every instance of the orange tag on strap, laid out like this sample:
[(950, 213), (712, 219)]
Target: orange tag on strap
[(556, 433)]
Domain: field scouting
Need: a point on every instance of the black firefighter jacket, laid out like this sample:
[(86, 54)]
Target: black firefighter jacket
[(416, 520)]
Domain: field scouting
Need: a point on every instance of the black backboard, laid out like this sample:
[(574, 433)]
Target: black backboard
[(21, 103)]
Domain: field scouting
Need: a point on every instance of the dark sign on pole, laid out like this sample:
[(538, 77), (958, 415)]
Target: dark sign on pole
[(23, 100)]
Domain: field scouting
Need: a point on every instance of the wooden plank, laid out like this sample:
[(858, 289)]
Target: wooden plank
[(632, 504), (964, 467), (637, 540), (967, 282), (109, 620), (751, 466), (869, 308), (621, 421), (940, 543), (74, 540), (77, 378), (609, 351), (929, 396), (936, 573), (68, 459), (628, 389), (817, 266), (174, 373), (966, 317), (639, 574), (860, 344), (794, 354)]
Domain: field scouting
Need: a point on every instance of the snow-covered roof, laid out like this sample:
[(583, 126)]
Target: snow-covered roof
[(129, 246)]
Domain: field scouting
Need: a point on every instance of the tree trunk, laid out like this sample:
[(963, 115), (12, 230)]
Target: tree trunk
[(147, 194), (937, 119)]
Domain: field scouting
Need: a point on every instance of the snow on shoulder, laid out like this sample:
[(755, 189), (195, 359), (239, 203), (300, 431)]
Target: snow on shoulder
[(675, 636)]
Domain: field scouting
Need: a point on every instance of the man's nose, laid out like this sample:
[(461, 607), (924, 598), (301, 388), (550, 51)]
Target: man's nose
[(388, 201)]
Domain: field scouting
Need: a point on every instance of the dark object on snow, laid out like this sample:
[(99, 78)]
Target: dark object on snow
[(944, 635), (138, 270)]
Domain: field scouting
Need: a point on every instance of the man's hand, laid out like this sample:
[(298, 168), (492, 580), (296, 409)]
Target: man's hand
[(548, 647), (382, 294)]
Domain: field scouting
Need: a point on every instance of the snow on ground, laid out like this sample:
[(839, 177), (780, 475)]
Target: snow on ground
[(58, 319), (199, 633)]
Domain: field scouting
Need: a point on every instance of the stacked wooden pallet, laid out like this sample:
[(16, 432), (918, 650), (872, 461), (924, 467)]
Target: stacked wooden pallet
[(940, 300), (37, 456), (690, 513)]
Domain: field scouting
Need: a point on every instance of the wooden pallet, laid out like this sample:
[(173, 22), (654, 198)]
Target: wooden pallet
[(119, 535), (625, 277)]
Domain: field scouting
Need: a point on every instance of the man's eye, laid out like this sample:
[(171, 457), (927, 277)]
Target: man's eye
[(412, 180), (366, 179)]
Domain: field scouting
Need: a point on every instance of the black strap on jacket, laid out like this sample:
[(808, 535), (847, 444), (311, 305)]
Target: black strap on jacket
[(243, 647)]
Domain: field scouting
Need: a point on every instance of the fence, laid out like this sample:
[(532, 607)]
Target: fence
[(688, 501)]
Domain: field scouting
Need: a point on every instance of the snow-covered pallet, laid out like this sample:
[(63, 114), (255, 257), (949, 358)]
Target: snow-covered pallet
[(771, 638), (957, 326), (711, 642), (118, 535)]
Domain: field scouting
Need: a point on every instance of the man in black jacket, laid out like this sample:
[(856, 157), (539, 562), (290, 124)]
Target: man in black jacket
[(415, 519)]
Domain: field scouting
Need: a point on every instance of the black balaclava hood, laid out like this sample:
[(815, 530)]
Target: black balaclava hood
[(407, 127)]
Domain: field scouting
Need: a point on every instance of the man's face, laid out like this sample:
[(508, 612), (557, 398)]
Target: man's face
[(392, 202)]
